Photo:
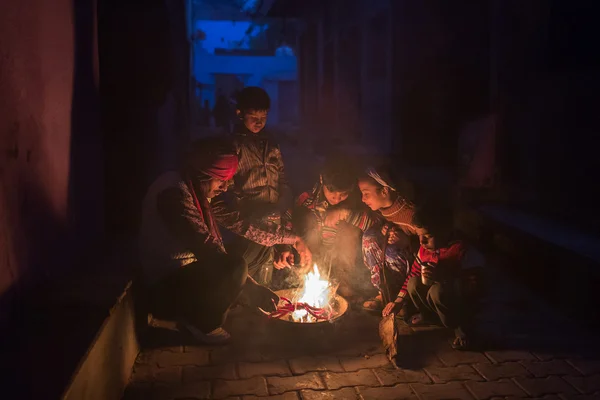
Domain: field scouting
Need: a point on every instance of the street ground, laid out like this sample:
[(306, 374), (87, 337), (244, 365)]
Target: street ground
[(527, 351)]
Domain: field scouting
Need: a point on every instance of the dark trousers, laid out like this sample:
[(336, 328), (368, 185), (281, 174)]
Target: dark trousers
[(202, 292), (259, 258), (439, 300)]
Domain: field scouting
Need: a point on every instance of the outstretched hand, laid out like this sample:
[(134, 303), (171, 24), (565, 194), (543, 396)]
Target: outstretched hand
[(391, 232), (391, 308), (304, 252), (285, 259), (335, 216)]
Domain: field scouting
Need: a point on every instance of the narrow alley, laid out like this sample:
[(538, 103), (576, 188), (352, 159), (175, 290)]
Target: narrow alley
[(127, 127)]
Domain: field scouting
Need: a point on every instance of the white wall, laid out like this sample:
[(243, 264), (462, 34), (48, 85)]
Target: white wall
[(263, 71)]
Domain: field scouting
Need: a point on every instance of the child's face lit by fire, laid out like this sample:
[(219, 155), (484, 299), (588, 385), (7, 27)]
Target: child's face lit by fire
[(427, 239), (374, 196), (254, 120), (334, 197)]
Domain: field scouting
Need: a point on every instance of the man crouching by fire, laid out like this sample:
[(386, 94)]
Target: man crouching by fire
[(188, 274)]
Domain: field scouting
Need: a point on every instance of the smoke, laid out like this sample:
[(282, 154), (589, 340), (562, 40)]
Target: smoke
[(340, 262)]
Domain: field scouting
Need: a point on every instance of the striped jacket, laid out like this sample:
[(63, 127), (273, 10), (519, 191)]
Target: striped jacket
[(260, 181), (449, 262)]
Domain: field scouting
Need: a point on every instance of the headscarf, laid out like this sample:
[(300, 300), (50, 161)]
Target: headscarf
[(222, 167), (215, 159), (372, 173), (212, 157)]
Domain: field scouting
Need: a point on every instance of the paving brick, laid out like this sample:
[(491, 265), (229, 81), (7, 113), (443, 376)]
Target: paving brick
[(393, 376), (171, 359), (142, 373), (172, 349), (586, 367), (443, 391), (585, 384), (278, 385), (453, 358), (542, 369), (209, 373), (303, 365), (336, 380), (228, 354), (254, 386), (398, 392), (547, 397), (357, 363), (458, 373), (285, 396), (360, 350), (152, 373), (547, 356), (170, 375), (196, 390), (510, 355), (501, 388), (493, 372), (342, 394), (135, 391), (537, 387), (272, 368)]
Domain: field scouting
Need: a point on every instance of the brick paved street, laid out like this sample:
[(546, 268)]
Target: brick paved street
[(528, 352)]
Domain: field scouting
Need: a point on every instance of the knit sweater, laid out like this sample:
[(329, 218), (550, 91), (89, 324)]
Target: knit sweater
[(401, 213)]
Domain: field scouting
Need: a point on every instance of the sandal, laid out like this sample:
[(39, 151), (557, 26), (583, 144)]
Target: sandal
[(375, 304), (417, 320), (217, 336), (460, 342)]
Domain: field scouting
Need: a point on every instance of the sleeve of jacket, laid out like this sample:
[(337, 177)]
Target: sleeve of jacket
[(285, 192), (266, 234), (185, 222), (362, 219)]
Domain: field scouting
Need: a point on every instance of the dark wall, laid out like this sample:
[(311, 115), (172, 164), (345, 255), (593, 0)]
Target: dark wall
[(62, 175), (548, 81), (50, 153), (440, 76), (144, 81)]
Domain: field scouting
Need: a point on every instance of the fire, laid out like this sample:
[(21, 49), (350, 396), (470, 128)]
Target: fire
[(316, 293)]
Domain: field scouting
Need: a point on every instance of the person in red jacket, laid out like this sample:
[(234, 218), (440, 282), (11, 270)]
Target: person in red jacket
[(443, 274)]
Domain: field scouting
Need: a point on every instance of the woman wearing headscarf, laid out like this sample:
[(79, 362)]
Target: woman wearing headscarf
[(188, 273)]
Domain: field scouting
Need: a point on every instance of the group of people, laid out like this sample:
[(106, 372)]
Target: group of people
[(353, 218)]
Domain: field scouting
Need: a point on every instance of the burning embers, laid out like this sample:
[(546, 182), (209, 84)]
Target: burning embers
[(315, 301)]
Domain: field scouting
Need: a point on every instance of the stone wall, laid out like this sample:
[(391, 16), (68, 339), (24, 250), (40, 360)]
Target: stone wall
[(50, 143)]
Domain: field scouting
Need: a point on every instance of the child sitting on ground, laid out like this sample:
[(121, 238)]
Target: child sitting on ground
[(443, 281)]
